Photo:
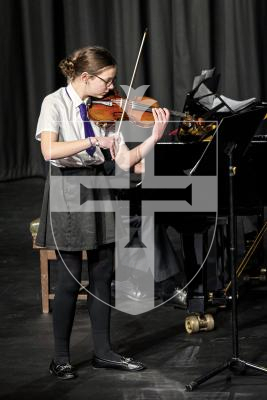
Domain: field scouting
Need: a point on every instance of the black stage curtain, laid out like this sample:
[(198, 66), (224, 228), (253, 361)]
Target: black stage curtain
[(184, 37)]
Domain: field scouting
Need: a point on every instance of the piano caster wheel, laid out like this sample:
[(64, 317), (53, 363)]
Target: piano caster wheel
[(197, 322), (192, 324)]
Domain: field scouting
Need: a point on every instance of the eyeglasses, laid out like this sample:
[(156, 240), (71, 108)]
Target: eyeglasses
[(108, 82)]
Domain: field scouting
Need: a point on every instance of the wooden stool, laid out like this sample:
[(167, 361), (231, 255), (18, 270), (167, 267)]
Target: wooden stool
[(45, 257)]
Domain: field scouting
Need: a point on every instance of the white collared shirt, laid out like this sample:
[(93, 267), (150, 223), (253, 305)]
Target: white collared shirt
[(60, 113)]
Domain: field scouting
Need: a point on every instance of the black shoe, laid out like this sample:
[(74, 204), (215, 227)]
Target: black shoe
[(127, 289), (177, 298), (62, 371), (125, 364)]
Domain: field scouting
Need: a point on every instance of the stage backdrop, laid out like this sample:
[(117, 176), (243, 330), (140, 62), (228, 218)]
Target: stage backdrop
[(184, 37)]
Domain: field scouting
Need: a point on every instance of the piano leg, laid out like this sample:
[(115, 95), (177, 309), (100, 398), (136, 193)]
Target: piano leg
[(197, 286), (205, 285)]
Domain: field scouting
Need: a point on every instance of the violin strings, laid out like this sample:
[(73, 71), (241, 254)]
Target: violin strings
[(141, 107), (134, 105)]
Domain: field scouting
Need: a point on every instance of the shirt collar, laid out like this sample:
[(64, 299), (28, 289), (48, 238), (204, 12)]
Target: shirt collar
[(75, 98)]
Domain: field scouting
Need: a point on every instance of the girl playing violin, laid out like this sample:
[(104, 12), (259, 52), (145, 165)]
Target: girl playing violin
[(73, 149)]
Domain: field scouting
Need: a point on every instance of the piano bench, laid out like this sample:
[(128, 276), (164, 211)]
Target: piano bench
[(46, 256)]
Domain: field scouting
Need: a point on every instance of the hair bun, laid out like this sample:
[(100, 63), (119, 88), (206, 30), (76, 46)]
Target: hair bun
[(67, 67), (91, 59)]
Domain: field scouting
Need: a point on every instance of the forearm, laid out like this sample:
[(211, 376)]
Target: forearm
[(139, 168), (127, 158), (54, 150)]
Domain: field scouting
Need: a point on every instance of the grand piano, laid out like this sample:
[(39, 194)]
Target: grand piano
[(179, 157)]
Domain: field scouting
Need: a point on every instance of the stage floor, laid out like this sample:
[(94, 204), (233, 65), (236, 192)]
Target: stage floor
[(157, 338)]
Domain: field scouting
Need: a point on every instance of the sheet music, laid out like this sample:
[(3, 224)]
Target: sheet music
[(205, 73), (235, 105), (205, 96), (203, 92), (211, 100)]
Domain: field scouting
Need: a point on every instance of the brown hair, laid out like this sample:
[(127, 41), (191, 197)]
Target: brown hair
[(88, 59)]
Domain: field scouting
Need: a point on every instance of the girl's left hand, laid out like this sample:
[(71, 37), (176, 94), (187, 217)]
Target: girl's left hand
[(161, 117)]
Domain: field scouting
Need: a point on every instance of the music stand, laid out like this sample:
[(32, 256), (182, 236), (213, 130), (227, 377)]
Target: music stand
[(233, 142)]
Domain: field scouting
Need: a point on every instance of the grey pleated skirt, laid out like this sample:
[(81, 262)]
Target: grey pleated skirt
[(75, 231)]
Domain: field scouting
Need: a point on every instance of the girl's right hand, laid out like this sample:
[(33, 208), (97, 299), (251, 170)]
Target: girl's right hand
[(108, 142)]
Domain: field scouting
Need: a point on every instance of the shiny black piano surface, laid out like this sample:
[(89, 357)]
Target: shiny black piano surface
[(250, 156), (251, 175)]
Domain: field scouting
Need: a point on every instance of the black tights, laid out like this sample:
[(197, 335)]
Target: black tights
[(100, 268)]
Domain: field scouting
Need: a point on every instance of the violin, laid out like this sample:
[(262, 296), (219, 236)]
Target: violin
[(114, 108), (105, 112)]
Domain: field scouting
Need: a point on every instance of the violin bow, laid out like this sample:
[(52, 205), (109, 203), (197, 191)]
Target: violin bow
[(132, 80)]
